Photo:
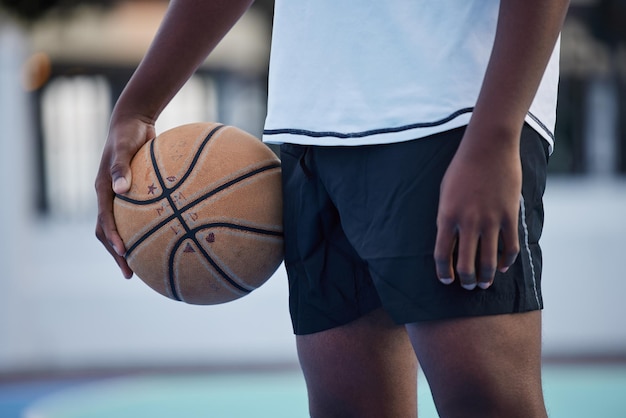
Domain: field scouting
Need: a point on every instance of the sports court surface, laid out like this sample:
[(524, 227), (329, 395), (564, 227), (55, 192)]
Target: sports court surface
[(572, 391)]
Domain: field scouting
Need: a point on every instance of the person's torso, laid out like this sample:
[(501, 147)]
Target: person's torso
[(356, 72)]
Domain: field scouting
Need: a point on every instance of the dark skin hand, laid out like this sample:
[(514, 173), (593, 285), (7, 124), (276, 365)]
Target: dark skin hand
[(168, 64), (480, 192), (115, 165)]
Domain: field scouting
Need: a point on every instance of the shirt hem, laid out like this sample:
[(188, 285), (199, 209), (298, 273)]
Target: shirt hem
[(387, 135)]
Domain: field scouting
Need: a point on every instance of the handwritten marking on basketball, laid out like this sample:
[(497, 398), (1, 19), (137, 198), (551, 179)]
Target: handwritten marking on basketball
[(189, 249), (191, 204), (171, 179), (162, 209), (179, 197), (210, 238), (152, 188), (192, 235)]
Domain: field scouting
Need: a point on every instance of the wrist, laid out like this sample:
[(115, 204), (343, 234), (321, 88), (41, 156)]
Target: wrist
[(127, 114), (491, 138)]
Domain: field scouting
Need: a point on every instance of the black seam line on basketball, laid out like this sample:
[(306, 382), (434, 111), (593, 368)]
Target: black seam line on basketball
[(362, 134), (170, 268), (168, 194), (230, 183), (191, 236), (196, 157), (218, 268), (239, 227), (167, 191), (209, 193), (194, 202)]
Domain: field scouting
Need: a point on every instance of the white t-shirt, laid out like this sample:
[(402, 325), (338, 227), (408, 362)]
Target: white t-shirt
[(357, 72)]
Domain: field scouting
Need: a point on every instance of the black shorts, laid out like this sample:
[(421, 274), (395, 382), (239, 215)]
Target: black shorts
[(360, 229)]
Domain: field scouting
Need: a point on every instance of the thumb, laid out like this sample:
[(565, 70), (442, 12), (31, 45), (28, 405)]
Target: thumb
[(121, 177)]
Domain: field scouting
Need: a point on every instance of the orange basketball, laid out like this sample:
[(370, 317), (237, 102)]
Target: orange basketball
[(202, 222)]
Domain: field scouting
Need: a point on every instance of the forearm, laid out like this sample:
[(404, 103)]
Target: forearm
[(526, 34), (189, 32)]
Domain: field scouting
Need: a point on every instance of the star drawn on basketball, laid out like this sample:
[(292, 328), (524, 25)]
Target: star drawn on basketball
[(151, 188)]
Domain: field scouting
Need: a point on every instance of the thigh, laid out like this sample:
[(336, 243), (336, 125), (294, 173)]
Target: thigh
[(387, 199), (486, 366), (366, 368), (329, 283)]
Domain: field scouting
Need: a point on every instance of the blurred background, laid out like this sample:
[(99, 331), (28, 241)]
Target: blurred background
[(65, 310)]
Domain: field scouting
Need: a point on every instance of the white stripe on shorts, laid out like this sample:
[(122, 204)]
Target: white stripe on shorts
[(527, 246)]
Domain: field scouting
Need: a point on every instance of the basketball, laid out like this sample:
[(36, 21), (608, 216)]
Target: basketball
[(202, 221)]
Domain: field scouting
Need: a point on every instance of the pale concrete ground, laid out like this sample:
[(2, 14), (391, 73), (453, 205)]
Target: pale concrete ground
[(70, 308)]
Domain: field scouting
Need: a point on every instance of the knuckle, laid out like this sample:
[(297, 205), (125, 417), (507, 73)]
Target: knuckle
[(511, 220), (444, 271), (466, 275), (468, 281), (100, 235), (469, 221), (118, 168), (489, 223), (513, 251), (441, 259), (446, 219), (101, 185), (103, 224), (120, 147), (487, 271), (441, 267)]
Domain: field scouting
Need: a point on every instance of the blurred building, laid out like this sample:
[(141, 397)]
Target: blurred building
[(82, 58), (591, 123)]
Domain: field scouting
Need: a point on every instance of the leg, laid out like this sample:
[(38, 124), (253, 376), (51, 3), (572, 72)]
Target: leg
[(366, 368), (356, 361), (486, 366)]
